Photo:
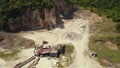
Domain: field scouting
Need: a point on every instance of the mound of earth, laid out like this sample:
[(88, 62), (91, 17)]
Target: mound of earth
[(73, 36), (12, 41)]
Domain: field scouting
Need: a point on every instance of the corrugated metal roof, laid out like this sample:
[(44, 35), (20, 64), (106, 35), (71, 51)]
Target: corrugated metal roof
[(42, 51)]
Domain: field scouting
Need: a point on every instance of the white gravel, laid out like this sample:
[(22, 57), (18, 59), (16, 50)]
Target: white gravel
[(57, 36)]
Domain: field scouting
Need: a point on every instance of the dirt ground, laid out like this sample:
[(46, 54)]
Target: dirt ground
[(79, 27), (57, 36)]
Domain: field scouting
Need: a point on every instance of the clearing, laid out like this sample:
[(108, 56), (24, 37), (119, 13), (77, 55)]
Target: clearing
[(75, 31)]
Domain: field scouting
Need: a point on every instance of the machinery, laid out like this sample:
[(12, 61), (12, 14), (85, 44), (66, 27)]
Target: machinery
[(46, 50), (43, 50), (40, 51)]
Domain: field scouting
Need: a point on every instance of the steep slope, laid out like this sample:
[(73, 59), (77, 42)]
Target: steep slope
[(41, 17)]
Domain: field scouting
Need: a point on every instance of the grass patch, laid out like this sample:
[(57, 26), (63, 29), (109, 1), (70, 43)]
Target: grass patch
[(105, 52), (7, 56), (69, 59), (69, 48), (103, 32)]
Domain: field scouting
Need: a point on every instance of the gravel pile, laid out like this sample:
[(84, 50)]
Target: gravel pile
[(73, 36)]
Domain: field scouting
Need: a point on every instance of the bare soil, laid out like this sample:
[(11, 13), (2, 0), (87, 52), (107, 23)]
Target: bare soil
[(78, 27)]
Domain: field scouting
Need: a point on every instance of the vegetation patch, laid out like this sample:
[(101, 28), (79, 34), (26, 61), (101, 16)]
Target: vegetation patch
[(69, 48), (67, 58), (11, 45), (110, 9), (103, 33), (9, 54)]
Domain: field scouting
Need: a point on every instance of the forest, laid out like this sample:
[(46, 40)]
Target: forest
[(108, 8), (12, 10), (17, 15), (31, 15)]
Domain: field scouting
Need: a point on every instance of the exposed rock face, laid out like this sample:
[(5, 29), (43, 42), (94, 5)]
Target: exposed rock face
[(65, 9), (42, 17)]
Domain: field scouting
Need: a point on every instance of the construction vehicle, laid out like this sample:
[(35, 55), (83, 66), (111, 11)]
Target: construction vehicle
[(43, 50), (46, 50)]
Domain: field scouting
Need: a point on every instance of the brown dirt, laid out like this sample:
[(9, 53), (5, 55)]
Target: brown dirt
[(12, 41)]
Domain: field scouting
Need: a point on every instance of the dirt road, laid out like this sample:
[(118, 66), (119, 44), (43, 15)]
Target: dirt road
[(75, 31), (79, 37)]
